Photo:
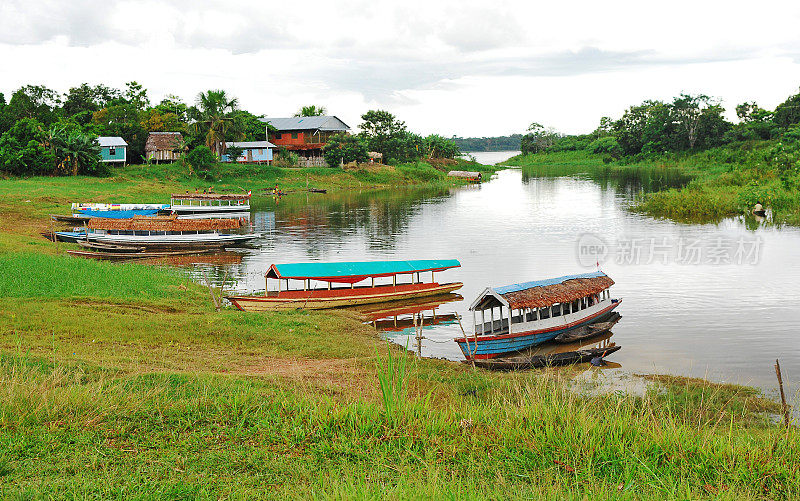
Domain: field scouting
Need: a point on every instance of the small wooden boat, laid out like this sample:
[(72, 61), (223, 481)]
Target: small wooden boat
[(588, 331), (65, 236), (69, 219), (189, 203), (167, 232), (532, 313), (125, 256), (548, 360), (318, 279), (317, 190), (109, 247)]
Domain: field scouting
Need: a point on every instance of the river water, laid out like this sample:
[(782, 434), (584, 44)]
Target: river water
[(719, 301)]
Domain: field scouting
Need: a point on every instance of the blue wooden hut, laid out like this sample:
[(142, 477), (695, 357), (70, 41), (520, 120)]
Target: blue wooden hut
[(113, 149)]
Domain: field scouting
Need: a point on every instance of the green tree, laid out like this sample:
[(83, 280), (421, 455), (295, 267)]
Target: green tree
[(344, 148), (537, 139), (23, 149), (75, 152), (311, 111), (436, 146), (384, 133), (249, 127), (34, 101), (788, 112), (203, 160), (136, 95), (214, 117)]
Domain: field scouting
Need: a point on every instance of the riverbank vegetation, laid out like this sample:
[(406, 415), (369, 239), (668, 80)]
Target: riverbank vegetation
[(43, 132), (712, 168), (498, 143)]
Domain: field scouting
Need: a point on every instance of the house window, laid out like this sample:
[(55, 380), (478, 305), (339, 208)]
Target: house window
[(112, 151), (294, 135), (277, 135)]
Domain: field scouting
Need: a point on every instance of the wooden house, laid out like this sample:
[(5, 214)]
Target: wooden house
[(164, 146), (258, 152), (305, 136), (113, 149)]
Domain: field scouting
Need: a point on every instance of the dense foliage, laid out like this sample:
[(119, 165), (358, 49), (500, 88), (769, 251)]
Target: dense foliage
[(43, 132), (344, 148), (501, 143)]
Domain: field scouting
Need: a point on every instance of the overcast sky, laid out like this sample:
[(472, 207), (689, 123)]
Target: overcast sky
[(452, 67)]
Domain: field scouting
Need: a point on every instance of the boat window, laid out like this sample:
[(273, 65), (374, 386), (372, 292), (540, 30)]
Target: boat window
[(531, 315), (544, 312), (556, 310)]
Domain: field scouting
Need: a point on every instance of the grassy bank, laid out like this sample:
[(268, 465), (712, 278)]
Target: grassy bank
[(120, 380), (699, 187)]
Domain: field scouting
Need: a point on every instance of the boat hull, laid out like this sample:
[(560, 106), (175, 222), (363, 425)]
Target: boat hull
[(316, 300), (173, 241), (495, 346)]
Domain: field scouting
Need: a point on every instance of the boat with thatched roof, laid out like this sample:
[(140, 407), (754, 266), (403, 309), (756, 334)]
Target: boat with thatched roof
[(318, 291), (192, 203), (167, 232), (518, 316)]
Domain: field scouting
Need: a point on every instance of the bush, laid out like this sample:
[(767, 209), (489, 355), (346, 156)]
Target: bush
[(605, 146), (203, 161)]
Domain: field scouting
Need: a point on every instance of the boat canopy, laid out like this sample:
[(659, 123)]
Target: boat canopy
[(211, 196), (352, 272), (541, 293)]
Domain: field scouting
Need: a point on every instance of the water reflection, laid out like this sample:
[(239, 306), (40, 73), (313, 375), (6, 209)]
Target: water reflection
[(722, 321)]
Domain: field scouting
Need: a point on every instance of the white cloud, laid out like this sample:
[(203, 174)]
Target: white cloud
[(465, 67)]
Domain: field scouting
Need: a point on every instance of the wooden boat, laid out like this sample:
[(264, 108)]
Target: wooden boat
[(69, 219), (166, 232), (317, 190), (323, 275), (546, 360), (189, 203), (66, 236), (124, 256), (588, 331), (532, 313)]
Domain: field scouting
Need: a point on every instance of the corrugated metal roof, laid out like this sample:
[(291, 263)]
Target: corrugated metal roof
[(543, 283), (323, 123), (250, 144), (356, 271), (111, 141)]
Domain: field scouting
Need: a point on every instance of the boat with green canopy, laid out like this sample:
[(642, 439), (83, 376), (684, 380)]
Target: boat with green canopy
[(338, 285)]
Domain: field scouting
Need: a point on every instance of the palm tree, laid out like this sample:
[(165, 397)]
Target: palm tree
[(214, 118), (311, 111), (75, 151)]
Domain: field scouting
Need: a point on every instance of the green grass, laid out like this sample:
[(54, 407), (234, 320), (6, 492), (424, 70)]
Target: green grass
[(699, 187)]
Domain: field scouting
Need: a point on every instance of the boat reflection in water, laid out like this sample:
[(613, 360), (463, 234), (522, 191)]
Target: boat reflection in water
[(404, 321), (554, 354)]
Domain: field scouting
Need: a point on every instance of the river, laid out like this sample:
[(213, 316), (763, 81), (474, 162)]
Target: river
[(718, 301)]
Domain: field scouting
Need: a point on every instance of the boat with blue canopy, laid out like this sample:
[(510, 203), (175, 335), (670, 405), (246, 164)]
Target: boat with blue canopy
[(342, 284), (514, 317)]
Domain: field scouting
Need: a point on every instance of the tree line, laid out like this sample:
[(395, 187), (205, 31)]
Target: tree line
[(44, 132), (686, 123), (499, 143)]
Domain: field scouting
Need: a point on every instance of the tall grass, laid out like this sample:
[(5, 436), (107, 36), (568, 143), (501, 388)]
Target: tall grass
[(107, 433)]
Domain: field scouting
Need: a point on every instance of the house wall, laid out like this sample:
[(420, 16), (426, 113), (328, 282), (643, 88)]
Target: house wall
[(159, 155), (252, 155), (286, 138), (120, 155)]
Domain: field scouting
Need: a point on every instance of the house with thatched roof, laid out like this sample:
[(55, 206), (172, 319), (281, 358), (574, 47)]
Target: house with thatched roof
[(164, 146)]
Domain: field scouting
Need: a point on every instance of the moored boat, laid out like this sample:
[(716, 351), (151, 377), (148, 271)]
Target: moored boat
[(532, 313), (167, 232), (318, 291), (192, 203)]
